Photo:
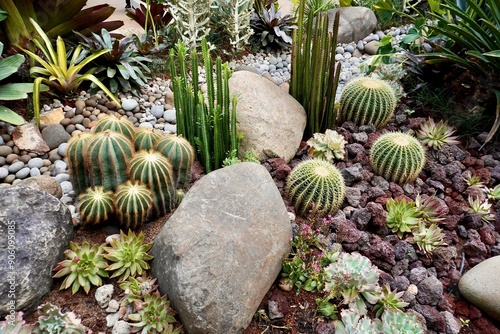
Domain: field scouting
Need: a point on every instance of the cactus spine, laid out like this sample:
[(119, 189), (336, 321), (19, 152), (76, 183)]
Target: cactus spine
[(155, 171), (95, 205), (133, 202), (181, 154), (397, 157), (317, 186), (107, 159), (366, 101), (118, 124), (75, 154), (146, 139)]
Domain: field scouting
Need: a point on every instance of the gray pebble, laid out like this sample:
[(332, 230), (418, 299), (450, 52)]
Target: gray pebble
[(10, 178), (5, 151), (170, 128), (146, 125), (35, 163), (3, 172), (61, 150), (23, 173), (66, 199), (66, 187), (129, 104), (61, 177), (16, 167), (60, 166), (339, 50), (169, 116), (35, 172), (2, 161), (349, 48), (157, 111)]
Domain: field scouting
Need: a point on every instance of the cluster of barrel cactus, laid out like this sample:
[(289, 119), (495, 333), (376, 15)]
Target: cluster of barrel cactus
[(128, 172)]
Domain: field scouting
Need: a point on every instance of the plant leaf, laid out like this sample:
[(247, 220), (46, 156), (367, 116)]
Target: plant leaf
[(9, 116)]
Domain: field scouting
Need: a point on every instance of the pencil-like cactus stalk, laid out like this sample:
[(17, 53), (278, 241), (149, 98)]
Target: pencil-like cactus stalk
[(95, 205), (118, 124), (107, 159), (155, 171), (133, 202), (146, 139), (75, 154), (181, 154)]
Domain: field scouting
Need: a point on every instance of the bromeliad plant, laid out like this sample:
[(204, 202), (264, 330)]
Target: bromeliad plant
[(56, 72), (315, 77), (84, 266)]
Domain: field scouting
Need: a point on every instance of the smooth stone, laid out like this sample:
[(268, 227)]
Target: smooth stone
[(66, 187), (45, 183), (129, 104), (62, 177), (54, 135), (3, 172), (146, 125), (61, 150), (23, 173), (16, 167), (169, 116), (170, 128), (60, 166), (5, 150), (35, 163), (157, 111), (35, 172)]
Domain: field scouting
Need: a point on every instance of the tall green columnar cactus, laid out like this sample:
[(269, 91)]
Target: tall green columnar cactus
[(315, 186), (155, 171), (75, 154), (315, 76), (95, 205), (398, 157), (133, 202), (191, 19), (146, 139), (118, 124), (107, 159), (181, 154), (367, 100), (208, 123)]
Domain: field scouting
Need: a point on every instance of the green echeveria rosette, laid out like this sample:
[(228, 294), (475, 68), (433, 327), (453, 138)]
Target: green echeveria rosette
[(133, 202), (153, 316), (155, 171), (315, 186), (107, 157), (397, 157), (75, 154), (366, 100), (146, 139), (95, 205), (118, 124)]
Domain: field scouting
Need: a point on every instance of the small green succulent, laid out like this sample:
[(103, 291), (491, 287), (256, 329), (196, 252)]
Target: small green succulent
[(400, 323), (353, 323), (136, 288), (494, 193), (472, 180), (128, 255), (328, 146), (351, 277), (402, 216), (389, 300), (52, 320), (154, 315), (85, 266), (436, 135), (428, 238), (14, 324), (430, 209), (481, 208)]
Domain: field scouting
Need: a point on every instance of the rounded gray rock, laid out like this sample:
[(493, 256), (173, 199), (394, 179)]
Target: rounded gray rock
[(23, 173), (157, 111), (16, 167), (66, 187), (129, 104), (146, 125), (3, 172), (61, 150), (54, 135), (35, 172), (35, 163), (62, 177), (5, 150), (169, 115), (60, 166)]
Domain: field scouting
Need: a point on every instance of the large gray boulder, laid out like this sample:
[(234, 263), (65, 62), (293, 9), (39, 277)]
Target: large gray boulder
[(36, 228), (271, 120), (220, 252), (355, 23), (481, 286)]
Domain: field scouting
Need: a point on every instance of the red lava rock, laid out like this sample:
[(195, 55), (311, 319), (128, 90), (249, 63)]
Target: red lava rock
[(371, 139), (378, 213), (382, 254), (415, 122), (487, 236), (325, 328), (469, 161), (450, 222), (447, 303), (278, 306), (462, 308), (456, 208), (347, 232), (485, 326), (435, 319), (276, 162), (484, 174), (282, 172), (396, 190), (474, 312), (454, 276)]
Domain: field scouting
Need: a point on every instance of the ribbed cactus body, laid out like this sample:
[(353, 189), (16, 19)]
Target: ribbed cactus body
[(181, 154), (118, 124), (95, 205), (133, 202), (155, 171), (107, 159), (315, 186), (75, 154), (366, 101), (397, 157), (145, 139)]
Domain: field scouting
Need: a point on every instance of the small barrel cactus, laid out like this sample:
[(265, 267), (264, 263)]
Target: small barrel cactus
[(397, 157), (107, 159), (95, 205), (146, 139), (119, 124), (133, 202), (366, 101), (181, 154), (75, 154), (317, 186), (155, 171)]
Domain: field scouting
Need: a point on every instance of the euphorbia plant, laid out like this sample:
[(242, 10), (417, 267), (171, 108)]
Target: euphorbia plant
[(60, 75)]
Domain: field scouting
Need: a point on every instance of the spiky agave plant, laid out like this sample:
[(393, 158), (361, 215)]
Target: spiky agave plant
[(95, 205), (435, 135), (75, 153), (153, 316), (128, 255), (397, 157), (119, 124), (133, 202), (316, 186), (155, 171), (402, 216), (85, 266)]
